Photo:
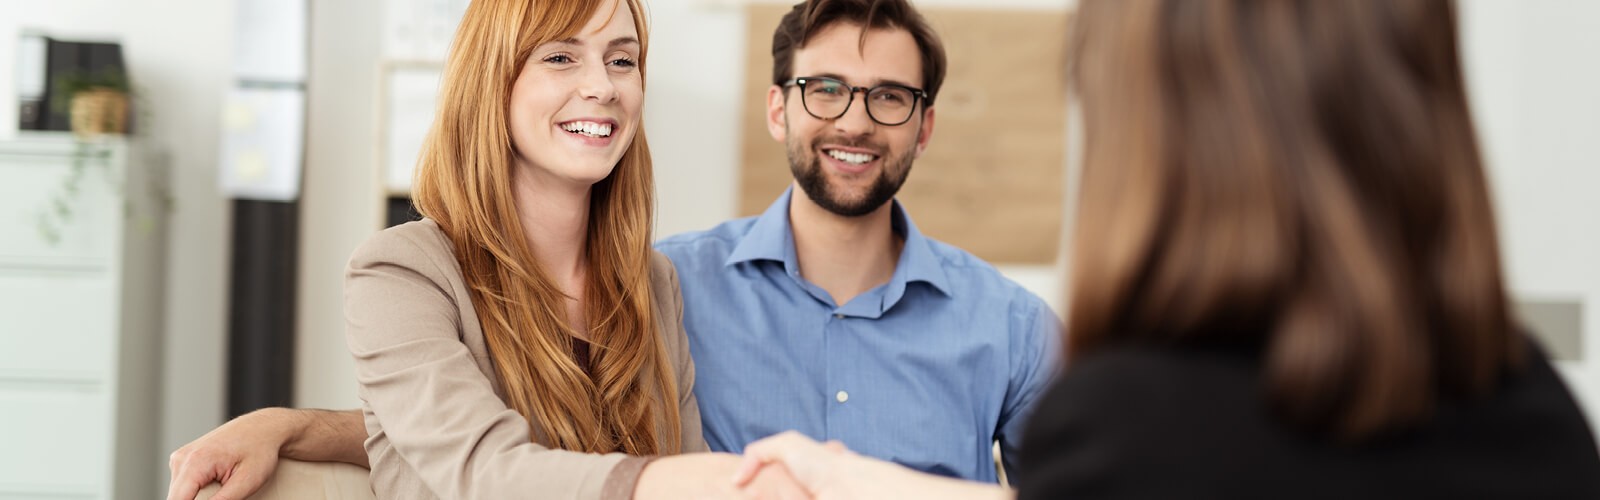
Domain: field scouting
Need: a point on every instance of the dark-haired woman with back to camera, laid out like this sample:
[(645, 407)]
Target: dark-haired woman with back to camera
[(1286, 281)]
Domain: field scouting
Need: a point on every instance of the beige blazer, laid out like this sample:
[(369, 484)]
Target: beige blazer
[(437, 424)]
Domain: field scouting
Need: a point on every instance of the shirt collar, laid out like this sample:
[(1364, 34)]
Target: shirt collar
[(917, 260), (772, 238)]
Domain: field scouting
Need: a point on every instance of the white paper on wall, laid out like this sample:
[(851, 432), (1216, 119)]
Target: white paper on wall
[(262, 134), (420, 30), (31, 52), (410, 97)]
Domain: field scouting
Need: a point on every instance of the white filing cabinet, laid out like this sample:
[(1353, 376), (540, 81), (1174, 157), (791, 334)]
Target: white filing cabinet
[(80, 316)]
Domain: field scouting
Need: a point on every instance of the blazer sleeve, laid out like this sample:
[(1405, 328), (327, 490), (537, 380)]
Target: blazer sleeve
[(423, 387), (678, 348)]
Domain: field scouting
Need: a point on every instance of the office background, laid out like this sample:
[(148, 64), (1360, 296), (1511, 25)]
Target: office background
[(1530, 68)]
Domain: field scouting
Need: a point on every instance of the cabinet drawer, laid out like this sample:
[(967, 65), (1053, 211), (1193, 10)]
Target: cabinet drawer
[(33, 185), (56, 324), (54, 439)]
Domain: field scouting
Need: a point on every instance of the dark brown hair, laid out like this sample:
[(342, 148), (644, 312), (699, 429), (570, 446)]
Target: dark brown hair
[(810, 17), (1302, 175)]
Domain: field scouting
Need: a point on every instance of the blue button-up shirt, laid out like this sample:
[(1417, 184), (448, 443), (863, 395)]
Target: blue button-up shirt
[(928, 370)]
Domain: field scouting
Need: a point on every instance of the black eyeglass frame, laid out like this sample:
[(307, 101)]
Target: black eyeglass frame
[(917, 96)]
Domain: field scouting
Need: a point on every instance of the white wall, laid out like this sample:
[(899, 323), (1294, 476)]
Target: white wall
[(339, 206), (178, 52), (692, 112), (1533, 79)]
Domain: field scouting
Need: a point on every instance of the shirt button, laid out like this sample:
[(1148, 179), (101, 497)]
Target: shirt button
[(838, 316), (842, 396)]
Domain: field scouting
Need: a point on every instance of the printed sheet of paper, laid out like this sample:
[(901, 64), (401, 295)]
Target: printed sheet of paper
[(271, 41), (263, 143), (410, 94), (420, 30)]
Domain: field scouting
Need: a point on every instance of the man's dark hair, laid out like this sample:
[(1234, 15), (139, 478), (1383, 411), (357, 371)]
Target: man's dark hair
[(810, 17)]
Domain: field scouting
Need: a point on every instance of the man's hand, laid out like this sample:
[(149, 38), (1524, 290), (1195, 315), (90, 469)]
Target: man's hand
[(241, 455), (828, 471)]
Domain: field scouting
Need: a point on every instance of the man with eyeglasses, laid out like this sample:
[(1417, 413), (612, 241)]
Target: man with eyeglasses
[(830, 313)]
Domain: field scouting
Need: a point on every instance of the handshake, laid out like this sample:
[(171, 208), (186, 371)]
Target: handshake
[(784, 466)]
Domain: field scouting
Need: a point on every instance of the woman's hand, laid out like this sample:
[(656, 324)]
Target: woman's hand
[(705, 476), (816, 466)]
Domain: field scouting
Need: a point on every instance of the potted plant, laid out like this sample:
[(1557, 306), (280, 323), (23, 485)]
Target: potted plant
[(98, 104), (97, 100)]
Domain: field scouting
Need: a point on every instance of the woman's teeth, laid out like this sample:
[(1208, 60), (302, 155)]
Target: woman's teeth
[(590, 129), (851, 158)]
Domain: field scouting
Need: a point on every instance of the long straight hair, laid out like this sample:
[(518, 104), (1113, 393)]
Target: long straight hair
[(464, 183), (1299, 175)]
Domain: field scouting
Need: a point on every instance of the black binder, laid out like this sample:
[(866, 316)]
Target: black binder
[(63, 58)]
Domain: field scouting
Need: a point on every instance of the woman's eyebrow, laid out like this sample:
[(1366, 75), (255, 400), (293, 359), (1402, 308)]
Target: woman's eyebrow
[(627, 40)]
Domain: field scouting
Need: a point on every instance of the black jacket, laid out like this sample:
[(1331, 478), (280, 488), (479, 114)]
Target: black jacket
[(1159, 423)]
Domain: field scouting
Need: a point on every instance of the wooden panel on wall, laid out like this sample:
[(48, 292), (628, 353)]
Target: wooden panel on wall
[(992, 179)]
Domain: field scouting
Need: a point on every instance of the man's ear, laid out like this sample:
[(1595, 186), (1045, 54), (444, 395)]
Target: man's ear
[(776, 124), (924, 132)]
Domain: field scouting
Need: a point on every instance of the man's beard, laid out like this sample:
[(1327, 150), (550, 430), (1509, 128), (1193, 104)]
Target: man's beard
[(806, 165)]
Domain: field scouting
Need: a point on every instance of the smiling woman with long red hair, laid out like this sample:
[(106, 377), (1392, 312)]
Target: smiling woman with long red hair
[(485, 198), (523, 338)]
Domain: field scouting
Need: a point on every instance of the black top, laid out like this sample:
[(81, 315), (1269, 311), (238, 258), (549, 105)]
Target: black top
[(580, 353), (1151, 423)]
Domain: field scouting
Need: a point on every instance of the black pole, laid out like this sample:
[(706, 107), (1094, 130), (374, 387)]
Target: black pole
[(266, 237), (266, 242)]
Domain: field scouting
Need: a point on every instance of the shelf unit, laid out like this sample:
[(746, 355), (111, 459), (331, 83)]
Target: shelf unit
[(80, 315)]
